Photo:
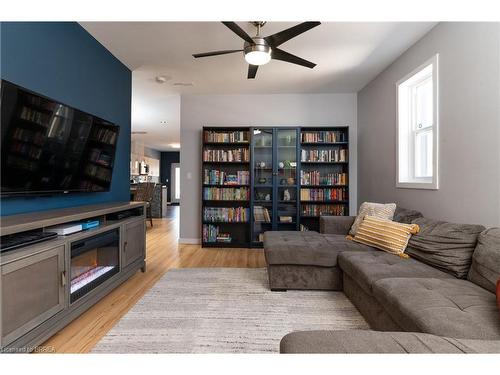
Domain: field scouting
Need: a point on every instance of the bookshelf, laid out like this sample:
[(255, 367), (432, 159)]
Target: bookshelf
[(257, 179), (324, 182), (225, 187)]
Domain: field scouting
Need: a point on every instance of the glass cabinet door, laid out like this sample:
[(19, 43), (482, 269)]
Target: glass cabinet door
[(263, 182), (286, 179)]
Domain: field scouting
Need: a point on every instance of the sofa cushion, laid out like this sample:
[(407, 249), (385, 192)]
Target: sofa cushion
[(405, 216), (498, 293), (444, 307), (368, 267), (342, 244), (485, 269), (302, 248), (446, 246), (364, 341)]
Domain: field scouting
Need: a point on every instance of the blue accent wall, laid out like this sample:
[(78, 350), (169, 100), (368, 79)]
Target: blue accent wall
[(64, 62)]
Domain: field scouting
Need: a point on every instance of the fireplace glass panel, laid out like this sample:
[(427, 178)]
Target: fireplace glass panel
[(93, 261)]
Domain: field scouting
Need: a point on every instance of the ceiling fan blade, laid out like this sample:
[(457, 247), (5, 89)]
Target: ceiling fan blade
[(238, 31), (252, 71), (279, 54), (279, 38), (215, 53)]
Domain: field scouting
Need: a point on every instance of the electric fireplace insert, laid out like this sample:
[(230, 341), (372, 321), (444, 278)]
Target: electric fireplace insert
[(93, 261)]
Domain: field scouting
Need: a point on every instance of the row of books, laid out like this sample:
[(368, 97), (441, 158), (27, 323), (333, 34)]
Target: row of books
[(220, 177), (101, 157), (315, 178), (98, 172), (333, 155), (105, 135), (211, 234), (21, 163), (26, 135), (226, 194), (37, 117), (323, 209), (226, 214), (226, 137), (337, 194), (323, 136), (261, 214), (26, 149), (234, 155)]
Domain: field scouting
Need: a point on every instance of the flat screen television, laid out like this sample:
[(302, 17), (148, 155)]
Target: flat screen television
[(51, 148)]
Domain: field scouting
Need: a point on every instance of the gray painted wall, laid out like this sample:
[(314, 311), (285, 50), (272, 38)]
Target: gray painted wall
[(252, 110), (469, 135)]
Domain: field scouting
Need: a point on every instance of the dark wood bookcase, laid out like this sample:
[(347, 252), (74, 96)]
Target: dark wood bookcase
[(225, 190), (256, 179)]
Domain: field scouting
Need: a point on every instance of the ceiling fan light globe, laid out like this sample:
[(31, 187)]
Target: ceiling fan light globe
[(258, 57)]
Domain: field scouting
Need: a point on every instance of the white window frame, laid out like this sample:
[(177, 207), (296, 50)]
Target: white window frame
[(412, 182)]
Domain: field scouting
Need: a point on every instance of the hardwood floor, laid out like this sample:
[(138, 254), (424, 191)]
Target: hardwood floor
[(162, 253)]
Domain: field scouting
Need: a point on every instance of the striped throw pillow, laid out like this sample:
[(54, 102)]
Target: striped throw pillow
[(380, 210), (385, 235)]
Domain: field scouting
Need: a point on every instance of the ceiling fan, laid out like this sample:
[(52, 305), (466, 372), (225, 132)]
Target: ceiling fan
[(260, 50)]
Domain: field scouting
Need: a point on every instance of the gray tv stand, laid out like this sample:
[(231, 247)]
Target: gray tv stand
[(39, 290)]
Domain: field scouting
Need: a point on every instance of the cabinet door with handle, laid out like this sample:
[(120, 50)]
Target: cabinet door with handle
[(33, 290), (134, 244)]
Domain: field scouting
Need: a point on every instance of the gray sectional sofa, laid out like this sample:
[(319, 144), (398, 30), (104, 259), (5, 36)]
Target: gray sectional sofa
[(441, 299)]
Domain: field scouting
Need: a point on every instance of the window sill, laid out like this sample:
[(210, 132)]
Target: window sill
[(417, 185)]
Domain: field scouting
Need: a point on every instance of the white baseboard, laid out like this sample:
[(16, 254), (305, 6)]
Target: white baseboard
[(190, 241)]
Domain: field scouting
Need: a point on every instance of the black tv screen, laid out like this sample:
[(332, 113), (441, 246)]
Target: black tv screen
[(49, 147)]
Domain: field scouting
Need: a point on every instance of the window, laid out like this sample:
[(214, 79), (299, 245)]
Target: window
[(417, 93)]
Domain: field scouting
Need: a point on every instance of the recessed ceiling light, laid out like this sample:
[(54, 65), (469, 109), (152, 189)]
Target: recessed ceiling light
[(175, 145)]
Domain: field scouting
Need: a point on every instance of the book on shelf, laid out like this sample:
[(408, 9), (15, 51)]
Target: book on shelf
[(234, 155), (314, 177), (261, 214), (226, 214), (337, 155), (225, 137), (211, 234), (323, 209), (322, 194), (105, 135), (286, 219), (28, 135), (226, 194), (221, 177), (37, 117), (327, 136)]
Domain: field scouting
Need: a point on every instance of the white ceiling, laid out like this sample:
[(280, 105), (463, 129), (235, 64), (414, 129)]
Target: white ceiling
[(348, 56)]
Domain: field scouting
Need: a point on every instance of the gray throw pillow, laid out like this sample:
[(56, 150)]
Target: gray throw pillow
[(405, 216), (485, 269), (445, 246)]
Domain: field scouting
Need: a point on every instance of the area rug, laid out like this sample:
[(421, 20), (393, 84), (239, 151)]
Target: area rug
[(224, 310)]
